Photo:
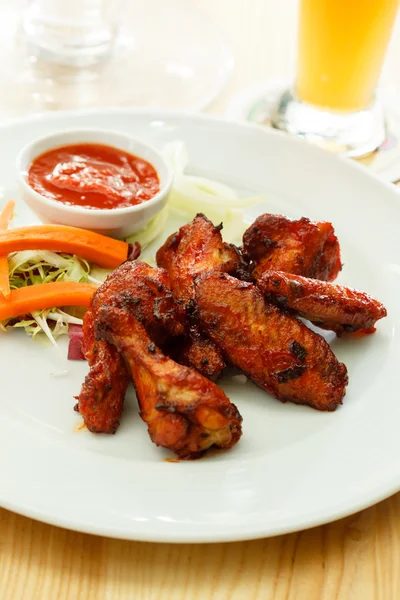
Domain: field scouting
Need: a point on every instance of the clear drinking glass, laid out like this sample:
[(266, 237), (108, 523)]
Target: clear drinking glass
[(62, 54), (341, 48)]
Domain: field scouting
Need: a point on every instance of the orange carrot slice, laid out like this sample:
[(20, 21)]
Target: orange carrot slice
[(4, 277), (7, 214), (94, 247), (45, 295), (5, 218)]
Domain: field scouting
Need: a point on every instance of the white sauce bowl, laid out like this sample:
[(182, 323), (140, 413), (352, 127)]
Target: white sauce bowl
[(115, 222)]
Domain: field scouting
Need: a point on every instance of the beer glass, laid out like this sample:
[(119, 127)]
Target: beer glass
[(341, 49)]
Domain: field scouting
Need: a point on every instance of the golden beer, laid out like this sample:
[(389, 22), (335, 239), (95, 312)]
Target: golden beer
[(341, 48)]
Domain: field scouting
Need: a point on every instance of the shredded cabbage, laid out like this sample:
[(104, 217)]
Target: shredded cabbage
[(191, 194), (153, 229), (31, 267)]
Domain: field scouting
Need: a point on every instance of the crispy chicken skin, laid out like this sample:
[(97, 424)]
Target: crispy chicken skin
[(102, 394), (197, 351), (301, 247), (143, 291), (327, 305), (278, 352), (198, 247), (184, 411)]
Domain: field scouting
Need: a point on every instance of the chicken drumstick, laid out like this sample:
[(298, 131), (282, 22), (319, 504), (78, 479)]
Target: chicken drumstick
[(143, 291), (184, 411)]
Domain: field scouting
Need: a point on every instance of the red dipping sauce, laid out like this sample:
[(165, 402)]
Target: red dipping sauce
[(93, 176)]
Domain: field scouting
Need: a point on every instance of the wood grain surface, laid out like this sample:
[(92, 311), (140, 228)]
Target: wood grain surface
[(356, 558)]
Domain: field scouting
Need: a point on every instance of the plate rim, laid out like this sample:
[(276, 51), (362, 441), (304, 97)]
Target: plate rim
[(206, 538)]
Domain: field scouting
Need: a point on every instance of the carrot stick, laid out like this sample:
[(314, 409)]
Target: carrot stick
[(4, 277), (45, 295), (5, 217), (7, 214), (96, 248)]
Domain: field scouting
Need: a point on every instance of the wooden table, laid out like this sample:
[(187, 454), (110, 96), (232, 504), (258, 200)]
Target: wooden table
[(356, 558)]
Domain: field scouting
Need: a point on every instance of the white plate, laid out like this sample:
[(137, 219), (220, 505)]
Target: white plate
[(294, 467)]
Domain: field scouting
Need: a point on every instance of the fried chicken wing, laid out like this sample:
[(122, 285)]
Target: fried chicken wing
[(301, 247), (278, 352), (335, 307), (184, 411), (143, 291), (102, 394), (198, 247)]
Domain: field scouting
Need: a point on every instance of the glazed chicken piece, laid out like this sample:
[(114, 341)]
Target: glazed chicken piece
[(198, 247), (143, 291), (274, 349), (184, 411), (102, 394), (196, 350), (335, 307), (303, 247)]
